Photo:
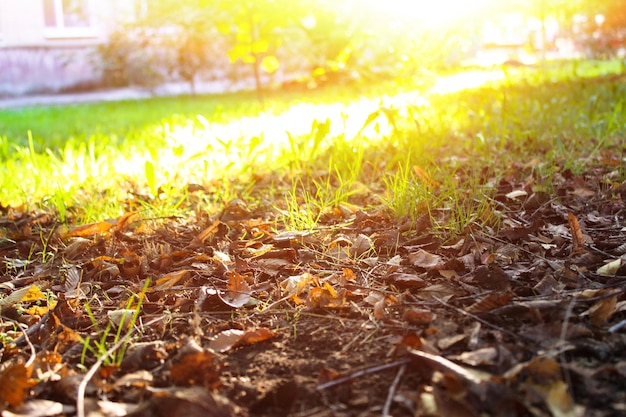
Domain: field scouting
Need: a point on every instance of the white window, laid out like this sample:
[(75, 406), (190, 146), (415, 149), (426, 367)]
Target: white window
[(68, 18)]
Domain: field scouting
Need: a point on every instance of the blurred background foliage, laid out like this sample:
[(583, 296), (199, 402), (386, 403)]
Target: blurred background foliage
[(303, 44)]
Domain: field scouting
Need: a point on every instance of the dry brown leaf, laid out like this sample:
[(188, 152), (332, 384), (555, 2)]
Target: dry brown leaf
[(409, 341), (602, 310), (91, 229), (361, 245), (379, 309), (217, 227), (402, 280), (543, 370), (425, 177), (255, 336), (490, 302), (238, 293), (186, 402), (326, 375), (130, 265), (418, 316), (578, 239), (15, 383), (426, 260), (195, 368), (125, 220), (169, 280), (324, 297)]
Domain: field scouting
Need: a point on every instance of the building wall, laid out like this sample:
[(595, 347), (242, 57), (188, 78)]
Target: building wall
[(37, 70), (36, 58)]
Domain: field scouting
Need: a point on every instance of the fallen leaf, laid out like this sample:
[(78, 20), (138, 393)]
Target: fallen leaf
[(361, 245), (425, 177), (15, 383), (490, 302), (402, 280), (602, 310), (195, 366), (578, 239), (91, 229), (122, 318), (484, 356), (40, 408), (610, 268), (516, 194), (225, 340), (379, 309), (169, 280), (418, 316), (187, 402), (560, 402), (125, 220), (424, 259), (217, 228), (26, 294), (238, 293), (255, 336), (324, 297)]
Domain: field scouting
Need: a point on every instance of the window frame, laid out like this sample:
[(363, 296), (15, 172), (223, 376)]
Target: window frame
[(61, 31)]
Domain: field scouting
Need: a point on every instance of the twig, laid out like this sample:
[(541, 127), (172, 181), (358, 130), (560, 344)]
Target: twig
[(31, 347), (33, 355), (32, 329), (392, 391), (485, 322), (617, 326), (361, 373)]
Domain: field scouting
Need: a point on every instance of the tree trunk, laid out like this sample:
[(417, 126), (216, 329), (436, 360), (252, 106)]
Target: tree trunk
[(257, 81)]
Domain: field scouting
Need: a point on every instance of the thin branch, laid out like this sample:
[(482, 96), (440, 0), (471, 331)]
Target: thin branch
[(392, 391), (485, 322), (361, 373)]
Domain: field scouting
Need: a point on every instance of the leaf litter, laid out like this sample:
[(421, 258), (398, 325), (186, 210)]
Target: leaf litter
[(235, 315)]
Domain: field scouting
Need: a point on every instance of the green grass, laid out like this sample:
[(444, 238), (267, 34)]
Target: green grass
[(117, 331), (385, 146)]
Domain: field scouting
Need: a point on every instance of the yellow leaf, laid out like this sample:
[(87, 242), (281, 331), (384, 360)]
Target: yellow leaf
[(33, 294), (270, 64), (560, 402)]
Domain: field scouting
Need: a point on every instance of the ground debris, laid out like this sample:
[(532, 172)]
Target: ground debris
[(238, 316)]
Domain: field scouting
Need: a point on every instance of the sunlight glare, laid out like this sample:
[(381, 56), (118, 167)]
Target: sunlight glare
[(434, 13), (465, 81)]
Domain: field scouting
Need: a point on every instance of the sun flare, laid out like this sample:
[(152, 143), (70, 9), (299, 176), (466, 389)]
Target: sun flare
[(436, 13)]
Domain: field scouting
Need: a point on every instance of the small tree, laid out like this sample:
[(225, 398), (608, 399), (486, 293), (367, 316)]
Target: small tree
[(254, 29)]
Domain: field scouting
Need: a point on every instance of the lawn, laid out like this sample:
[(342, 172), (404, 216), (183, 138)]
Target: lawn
[(361, 250)]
